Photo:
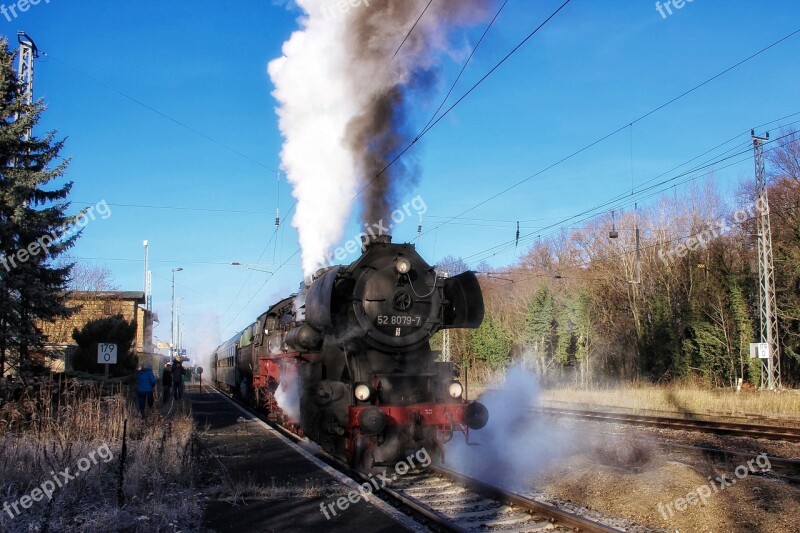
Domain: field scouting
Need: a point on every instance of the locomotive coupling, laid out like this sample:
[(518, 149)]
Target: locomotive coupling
[(371, 420), (476, 415)]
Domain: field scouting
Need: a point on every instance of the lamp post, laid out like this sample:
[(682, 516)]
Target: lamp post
[(172, 321), (249, 267), (179, 329), (145, 269)]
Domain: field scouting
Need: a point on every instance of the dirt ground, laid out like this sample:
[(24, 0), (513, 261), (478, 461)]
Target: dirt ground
[(631, 480)]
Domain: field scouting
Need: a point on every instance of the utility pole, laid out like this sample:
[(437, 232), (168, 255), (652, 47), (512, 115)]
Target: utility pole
[(172, 321), (638, 250), (146, 275), (446, 357), (149, 291), (614, 234), (766, 271)]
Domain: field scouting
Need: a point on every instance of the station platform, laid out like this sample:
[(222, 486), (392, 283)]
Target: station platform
[(270, 483)]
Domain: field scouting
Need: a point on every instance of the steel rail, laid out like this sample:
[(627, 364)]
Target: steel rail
[(560, 516), (789, 434), (420, 509)]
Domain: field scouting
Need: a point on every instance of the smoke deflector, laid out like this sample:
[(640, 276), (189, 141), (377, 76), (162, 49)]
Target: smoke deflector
[(464, 307)]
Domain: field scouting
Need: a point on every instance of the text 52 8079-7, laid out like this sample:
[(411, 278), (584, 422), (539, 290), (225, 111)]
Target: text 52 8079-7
[(399, 320)]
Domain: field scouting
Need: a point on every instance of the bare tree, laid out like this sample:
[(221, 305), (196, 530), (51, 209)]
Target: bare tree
[(85, 277)]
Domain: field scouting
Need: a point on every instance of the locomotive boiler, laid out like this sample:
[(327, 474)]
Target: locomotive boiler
[(348, 361)]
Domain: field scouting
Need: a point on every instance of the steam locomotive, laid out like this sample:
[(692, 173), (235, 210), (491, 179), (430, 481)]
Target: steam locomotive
[(348, 363)]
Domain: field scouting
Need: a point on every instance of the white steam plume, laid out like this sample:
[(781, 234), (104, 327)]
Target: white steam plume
[(515, 444), (342, 104)]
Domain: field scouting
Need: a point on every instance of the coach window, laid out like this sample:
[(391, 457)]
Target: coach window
[(259, 331)]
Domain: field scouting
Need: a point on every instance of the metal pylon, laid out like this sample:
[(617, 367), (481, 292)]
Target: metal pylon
[(766, 273), (27, 53), (446, 355)]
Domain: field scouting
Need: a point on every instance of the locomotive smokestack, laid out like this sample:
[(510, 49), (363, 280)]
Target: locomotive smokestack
[(343, 85), (369, 240)]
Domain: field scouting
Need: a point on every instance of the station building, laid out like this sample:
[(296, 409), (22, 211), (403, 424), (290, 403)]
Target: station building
[(94, 305)]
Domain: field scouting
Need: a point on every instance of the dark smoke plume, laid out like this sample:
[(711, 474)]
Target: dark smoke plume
[(382, 130), (345, 93)]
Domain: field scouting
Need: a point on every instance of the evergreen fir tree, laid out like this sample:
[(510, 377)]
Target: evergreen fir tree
[(32, 222)]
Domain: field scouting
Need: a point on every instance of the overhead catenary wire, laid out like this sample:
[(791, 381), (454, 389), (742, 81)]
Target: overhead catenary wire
[(614, 132), (410, 31), (592, 211), (608, 204), (179, 208), (504, 247), (461, 99), (160, 113), (269, 278), (466, 63), (588, 262), (263, 252)]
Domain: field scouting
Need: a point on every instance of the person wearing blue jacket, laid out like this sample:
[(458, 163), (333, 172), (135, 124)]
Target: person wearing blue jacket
[(145, 383)]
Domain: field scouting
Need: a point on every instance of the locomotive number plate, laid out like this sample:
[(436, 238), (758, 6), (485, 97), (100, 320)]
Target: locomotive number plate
[(399, 320)]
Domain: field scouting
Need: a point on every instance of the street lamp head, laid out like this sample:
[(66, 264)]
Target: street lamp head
[(145, 243), (177, 270)]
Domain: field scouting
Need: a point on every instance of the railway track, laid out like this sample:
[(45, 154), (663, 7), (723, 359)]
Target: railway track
[(455, 502), (745, 418), (452, 502), (788, 434), (785, 469)]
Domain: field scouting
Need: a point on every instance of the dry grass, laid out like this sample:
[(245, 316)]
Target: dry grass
[(53, 426), (683, 400), (239, 492)]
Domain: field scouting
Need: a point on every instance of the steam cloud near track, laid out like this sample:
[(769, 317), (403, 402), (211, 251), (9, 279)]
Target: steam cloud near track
[(344, 101), (514, 446)]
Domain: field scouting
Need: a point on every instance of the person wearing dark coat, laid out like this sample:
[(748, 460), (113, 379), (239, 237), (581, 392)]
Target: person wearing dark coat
[(177, 379), (166, 381)]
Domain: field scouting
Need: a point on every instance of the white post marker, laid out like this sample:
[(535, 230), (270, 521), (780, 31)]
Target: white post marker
[(106, 355)]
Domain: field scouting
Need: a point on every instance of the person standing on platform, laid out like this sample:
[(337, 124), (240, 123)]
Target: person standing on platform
[(166, 381), (145, 383), (177, 379)]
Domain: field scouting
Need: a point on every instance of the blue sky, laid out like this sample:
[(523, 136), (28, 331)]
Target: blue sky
[(594, 68)]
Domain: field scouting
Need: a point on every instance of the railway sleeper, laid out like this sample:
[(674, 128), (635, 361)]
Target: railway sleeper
[(449, 504), (477, 514), (422, 492), (518, 518)]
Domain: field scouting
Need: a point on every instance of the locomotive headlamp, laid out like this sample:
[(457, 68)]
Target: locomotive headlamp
[(455, 389), (402, 265), (362, 392)]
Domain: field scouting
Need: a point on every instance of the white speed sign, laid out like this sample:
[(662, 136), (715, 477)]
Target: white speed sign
[(107, 354)]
